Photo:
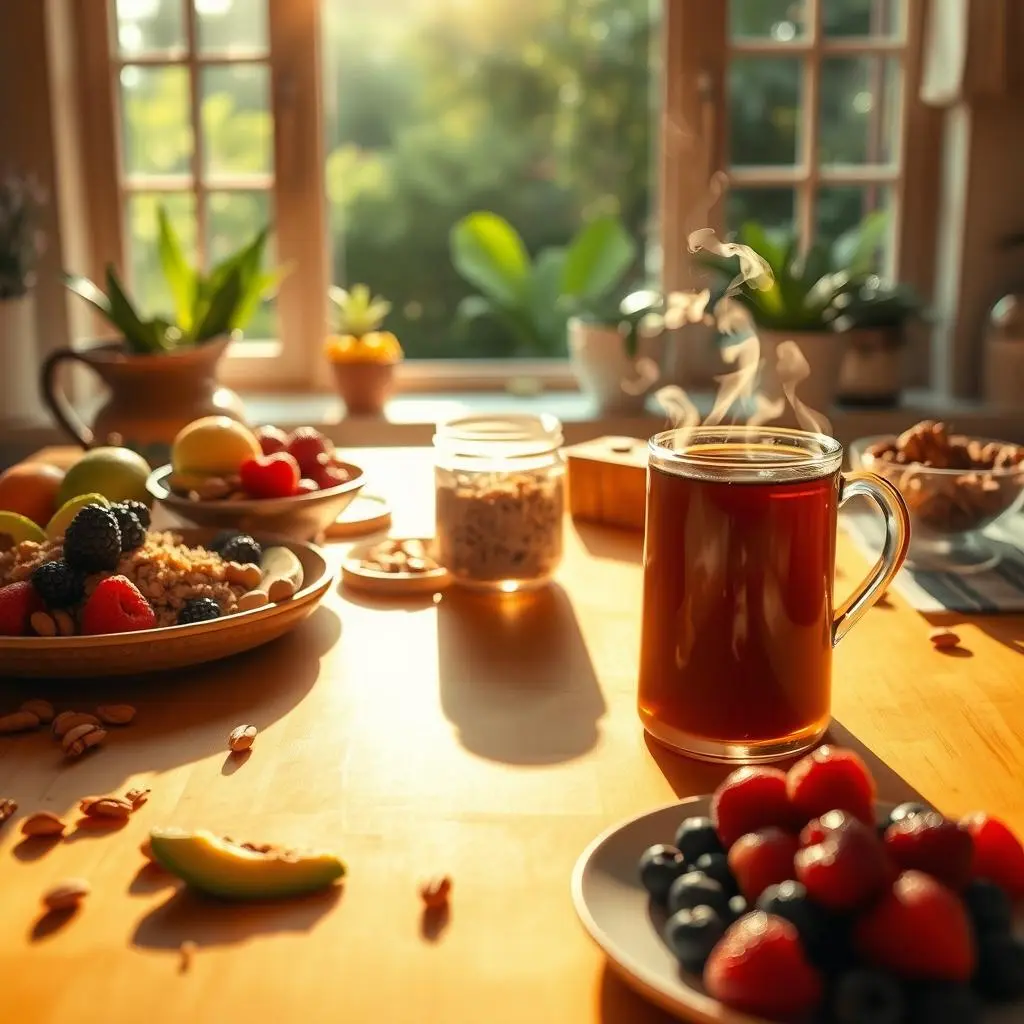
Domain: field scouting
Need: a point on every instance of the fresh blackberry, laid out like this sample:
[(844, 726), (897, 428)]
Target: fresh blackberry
[(92, 542), (221, 538), (141, 511), (199, 609), (58, 584), (133, 533), (242, 549)]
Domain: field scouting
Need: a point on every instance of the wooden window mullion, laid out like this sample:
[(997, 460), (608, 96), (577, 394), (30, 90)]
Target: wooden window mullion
[(807, 194), (196, 117)]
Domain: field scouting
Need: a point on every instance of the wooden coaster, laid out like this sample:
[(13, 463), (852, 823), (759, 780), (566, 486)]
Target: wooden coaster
[(366, 514), (390, 584)]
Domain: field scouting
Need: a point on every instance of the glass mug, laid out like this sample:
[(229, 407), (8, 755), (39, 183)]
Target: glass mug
[(739, 558)]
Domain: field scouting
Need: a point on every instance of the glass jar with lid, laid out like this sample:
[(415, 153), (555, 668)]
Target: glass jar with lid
[(500, 490)]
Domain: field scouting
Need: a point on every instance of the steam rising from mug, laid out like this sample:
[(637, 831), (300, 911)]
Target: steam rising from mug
[(743, 350)]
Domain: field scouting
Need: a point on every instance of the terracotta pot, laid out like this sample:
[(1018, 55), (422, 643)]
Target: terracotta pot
[(151, 396), (364, 387), (823, 351), (606, 371), (871, 373)]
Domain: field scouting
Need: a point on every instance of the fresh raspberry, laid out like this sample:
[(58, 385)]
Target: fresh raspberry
[(271, 476), (930, 843), (759, 967), (116, 606), (327, 474), (998, 854), (918, 930), (307, 486), (846, 869), (831, 778), (817, 830), (272, 440), (306, 445), (17, 603), (749, 800), (760, 859)]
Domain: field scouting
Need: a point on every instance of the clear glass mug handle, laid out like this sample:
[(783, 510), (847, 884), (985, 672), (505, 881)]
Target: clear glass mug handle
[(894, 547)]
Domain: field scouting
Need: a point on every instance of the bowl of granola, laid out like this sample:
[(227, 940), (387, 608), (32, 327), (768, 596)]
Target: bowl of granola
[(954, 486), (110, 596)]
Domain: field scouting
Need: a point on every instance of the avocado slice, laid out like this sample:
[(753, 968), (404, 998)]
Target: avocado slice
[(16, 529), (223, 868)]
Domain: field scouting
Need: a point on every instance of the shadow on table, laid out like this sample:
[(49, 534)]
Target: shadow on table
[(190, 917), (610, 542), (689, 777), (619, 1004), (183, 716), (515, 675), (1005, 629)]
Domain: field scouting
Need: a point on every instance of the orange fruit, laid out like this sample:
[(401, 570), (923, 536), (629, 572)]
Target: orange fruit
[(30, 489)]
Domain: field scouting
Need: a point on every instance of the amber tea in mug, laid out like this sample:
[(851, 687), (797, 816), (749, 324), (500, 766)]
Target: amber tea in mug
[(739, 557)]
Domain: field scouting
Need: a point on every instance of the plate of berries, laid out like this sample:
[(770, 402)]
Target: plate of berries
[(797, 897), (108, 595)]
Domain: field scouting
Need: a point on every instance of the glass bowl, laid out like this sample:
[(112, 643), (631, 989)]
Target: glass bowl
[(949, 508)]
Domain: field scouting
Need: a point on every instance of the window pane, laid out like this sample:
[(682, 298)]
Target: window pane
[(226, 26), (769, 207), (863, 17), (538, 110), (232, 219), (841, 207), (860, 99), (781, 20), (150, 26), (157, 133), (764, 110), (148, 288), (237, 124)]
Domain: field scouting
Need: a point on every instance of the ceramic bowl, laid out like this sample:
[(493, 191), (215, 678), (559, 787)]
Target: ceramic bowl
[(300, 517)]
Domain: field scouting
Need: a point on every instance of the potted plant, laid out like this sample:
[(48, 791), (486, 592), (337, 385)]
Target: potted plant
[(161, 370), (872, 319), (575, 289), (796, 300), (362, 355), (21, 244)]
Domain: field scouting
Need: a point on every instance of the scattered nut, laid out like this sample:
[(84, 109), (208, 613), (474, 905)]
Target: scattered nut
[(65, 624), (115, 714), (187, 951), (42, 624), (435, 892), (249, 575), (106, 807), (7, 808), (68, 720), (18, 721), (42, 709), (78, 740), (137, 796), (67, 895), (146, 849), (213, 488), (943, 639), (242, 738), (42, 823)]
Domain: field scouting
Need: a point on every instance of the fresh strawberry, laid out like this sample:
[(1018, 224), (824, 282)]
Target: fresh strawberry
[(306, 445), (930, 843), (998, 854), (846, 869), (272, 476), (17, 603), (831, 778), (919, 930), (760, 859), (759, 967), (272, 440), (748, 800), (116, 606)]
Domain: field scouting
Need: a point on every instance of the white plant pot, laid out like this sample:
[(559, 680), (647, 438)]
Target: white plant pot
[(871, 372), (823, 351), (618, 382), (1004, 371), (19, 364)]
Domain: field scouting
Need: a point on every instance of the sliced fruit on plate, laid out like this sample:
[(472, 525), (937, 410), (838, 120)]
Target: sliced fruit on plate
[(232, 871), (61, 519), (16, 529)]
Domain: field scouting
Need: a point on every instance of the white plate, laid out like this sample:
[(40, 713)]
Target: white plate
[(619, 917)]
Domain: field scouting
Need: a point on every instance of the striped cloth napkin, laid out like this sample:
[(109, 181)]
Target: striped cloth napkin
[(989, 591)]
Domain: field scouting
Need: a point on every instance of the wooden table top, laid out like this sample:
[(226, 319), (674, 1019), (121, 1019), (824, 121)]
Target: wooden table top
[(486, 739)]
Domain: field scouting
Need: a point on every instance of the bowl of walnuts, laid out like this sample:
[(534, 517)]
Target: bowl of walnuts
[(954, 487)]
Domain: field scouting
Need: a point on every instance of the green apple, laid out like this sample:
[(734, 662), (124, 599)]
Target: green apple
[(119, 474)]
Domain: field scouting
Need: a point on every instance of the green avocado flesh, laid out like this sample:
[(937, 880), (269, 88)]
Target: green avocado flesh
[(215, 866)]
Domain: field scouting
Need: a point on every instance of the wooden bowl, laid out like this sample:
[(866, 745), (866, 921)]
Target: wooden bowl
[(301, 517), (153, 650)]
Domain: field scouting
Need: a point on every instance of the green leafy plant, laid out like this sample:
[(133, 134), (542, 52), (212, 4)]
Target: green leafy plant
[(802, 291), (874, 305), (534, 299), (206, 306)]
